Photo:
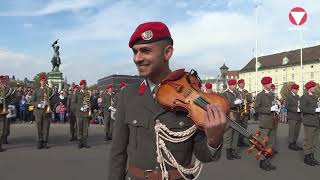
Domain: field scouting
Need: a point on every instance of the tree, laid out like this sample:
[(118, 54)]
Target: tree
[(36, 81), (93, 87), (286, 89)]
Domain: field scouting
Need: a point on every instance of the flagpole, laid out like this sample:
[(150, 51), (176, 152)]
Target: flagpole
[(256, 50), (301, 64)]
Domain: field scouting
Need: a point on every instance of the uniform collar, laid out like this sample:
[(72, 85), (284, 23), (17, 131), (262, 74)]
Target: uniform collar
[(239, 89), (230, 90), (266, 91)]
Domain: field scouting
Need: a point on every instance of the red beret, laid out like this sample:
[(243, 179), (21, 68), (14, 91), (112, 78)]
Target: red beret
[(109, 86), (122, 84), (208, 86), (149, 32), (43, 77), (294, 86), (310, 84), (232, 82), (241, 81), (266, 80), (82, 82), (4, 78)]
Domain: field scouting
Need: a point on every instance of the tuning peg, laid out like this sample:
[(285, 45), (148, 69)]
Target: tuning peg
[(258, 155), (250, 150)]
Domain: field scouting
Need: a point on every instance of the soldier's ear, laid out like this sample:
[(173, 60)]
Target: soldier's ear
[(168, 51)]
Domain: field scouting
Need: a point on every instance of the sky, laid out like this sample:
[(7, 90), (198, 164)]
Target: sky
[(93, 34)]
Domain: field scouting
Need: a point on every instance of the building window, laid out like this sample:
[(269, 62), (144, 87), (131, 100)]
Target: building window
[(276, 70), (292, 76), (312, 75), (292, 69), (284, 69)]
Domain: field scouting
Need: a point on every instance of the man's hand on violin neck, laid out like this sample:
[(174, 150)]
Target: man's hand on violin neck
[(215, 124)]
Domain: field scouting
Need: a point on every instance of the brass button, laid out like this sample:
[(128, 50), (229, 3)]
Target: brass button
[(181, 123), (134, 121)]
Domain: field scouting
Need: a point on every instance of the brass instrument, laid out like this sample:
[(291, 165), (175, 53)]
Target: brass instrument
[(86, 107), (275, 115), (244, 108), (46, 100), (3, 106)]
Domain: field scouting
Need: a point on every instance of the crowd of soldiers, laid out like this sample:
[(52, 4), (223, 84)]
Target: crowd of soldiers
[(300, 110), (81, 105)]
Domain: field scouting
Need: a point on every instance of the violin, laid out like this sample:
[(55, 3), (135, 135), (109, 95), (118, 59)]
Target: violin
[(180, 91)]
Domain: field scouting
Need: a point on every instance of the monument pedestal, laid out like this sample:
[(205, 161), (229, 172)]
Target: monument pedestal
[(55, 79)]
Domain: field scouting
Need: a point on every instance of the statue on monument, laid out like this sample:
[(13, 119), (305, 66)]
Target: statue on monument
[(56, 61)]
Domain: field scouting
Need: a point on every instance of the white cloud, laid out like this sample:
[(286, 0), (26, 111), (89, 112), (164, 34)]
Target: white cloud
[(53, 7), (19, 64)]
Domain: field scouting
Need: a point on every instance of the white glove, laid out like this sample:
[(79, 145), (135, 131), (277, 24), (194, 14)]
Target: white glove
[(39, 105), (274, 108), (237, 101), (298, 110), (317, 109)]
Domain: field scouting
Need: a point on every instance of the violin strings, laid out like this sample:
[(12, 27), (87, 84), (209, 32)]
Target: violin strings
[(203, 103)]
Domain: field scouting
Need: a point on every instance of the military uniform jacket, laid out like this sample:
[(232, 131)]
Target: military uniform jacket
[(308, 105), (263, 108), (232, 96), (292, 105), (78, 103), (106, 101), (70, 103), (134, 135), (38, 96), (245, 94)]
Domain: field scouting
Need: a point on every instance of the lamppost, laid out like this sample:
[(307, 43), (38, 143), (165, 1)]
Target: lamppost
[(224, 69), (285, 61)]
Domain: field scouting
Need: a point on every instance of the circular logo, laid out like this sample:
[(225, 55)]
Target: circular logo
[(147, 35), (298, 16)]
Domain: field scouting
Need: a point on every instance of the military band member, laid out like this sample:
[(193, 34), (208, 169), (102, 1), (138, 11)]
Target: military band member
[(9, 96), (5, 94), (208, 88), (310, 108), (276, 104), (247, 98), (134, 137), (264, 108), (231, 136), (41, 101), (83, 106), (71, 112), (108, 123), (294, 117)]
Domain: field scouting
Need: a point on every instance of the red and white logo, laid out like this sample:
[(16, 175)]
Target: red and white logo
[(298, 16)]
